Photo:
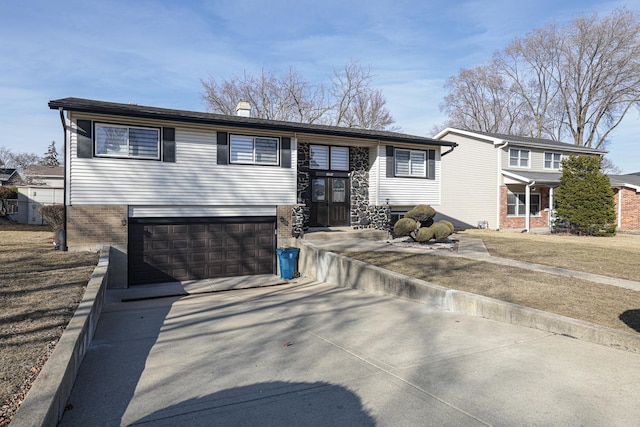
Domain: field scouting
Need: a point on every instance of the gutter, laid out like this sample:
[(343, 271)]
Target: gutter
[(63, 243), (455, 144)]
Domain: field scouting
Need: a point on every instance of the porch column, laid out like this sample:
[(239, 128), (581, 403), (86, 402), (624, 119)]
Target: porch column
[(527, 206), (551, 212)]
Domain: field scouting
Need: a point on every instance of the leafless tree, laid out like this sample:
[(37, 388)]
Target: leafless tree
[(479, 99), (576, 81), (349, 99), (6, 157)]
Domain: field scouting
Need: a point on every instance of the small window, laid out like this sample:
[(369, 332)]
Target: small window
[(518, 158), (340, 158), (127, 141), (411, 163), (319, 157), (516, 204), (552, 160), (254, 150), (323, 157)]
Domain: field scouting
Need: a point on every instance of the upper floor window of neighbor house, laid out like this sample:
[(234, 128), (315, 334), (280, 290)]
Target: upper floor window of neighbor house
[(518, 158), (411, 163), (257, 150), (323, 157), (552, 160), (127, 141)]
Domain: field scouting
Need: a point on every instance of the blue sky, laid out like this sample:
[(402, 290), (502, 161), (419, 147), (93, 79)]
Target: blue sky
[(156, 52)]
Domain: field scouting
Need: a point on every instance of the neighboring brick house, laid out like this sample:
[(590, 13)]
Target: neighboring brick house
[(187, 195), (627, 201), (502, 181)]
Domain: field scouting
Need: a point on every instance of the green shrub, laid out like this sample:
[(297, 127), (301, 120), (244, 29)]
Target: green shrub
[(441, 231), (448, 224), (421, 213), (424, 234), (584, 198), (404, 227)]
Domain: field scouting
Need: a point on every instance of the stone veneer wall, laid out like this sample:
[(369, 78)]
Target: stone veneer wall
[(359, 171), (362, 215)]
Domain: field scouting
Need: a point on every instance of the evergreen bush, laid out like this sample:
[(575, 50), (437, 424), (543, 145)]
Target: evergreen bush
[(441, 231), (424, 234), (421, 213), (405, 226), (584, 198)]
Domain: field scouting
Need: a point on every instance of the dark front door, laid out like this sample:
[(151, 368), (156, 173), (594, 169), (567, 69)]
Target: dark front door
[(330, 201)]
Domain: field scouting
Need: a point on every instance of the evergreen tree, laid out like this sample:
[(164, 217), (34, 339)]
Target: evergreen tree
[(51, 156), (585, 198)]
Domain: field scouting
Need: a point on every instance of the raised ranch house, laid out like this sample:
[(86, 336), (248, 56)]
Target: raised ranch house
[(502, 181), (184, 195)]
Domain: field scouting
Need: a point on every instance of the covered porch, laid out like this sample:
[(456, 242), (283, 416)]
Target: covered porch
[(527, 200)]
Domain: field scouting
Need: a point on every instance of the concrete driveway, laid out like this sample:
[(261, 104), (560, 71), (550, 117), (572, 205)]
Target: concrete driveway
[(308, 353)]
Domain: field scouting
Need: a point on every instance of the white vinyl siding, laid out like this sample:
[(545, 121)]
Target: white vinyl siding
[(254, 150), (127, 141), (401, 191), (552, 160), (519, 158), (195, 179), (470, 183)]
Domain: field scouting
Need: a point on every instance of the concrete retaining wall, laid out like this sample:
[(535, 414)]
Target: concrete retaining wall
[(48, 396), (346, 272)]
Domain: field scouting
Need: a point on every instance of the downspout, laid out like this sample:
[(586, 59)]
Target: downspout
[(527, 205), (63, 243), (499, 175)]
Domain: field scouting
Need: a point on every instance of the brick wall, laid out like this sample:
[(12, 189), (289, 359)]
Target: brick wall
[(91, 226), (630, 209), (519, 222)]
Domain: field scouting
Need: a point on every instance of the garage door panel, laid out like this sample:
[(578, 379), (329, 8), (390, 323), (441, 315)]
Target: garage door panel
[(160, 252)]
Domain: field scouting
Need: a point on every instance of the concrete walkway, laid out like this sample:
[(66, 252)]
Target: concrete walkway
[(472, 248), (309, 353)]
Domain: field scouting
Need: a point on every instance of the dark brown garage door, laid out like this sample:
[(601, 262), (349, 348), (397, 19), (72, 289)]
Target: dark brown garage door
[(162, 250)]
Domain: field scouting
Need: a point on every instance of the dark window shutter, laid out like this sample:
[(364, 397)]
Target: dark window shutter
[(390, 162), (84, 148), (169, 145), (223, 149), (285, 153), (431, 164)]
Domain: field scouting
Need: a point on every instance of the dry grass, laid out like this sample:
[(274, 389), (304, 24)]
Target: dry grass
[(610, 256), (40, 289), (580, 299)]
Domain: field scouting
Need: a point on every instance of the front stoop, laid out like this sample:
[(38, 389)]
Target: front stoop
[(341, 233)]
